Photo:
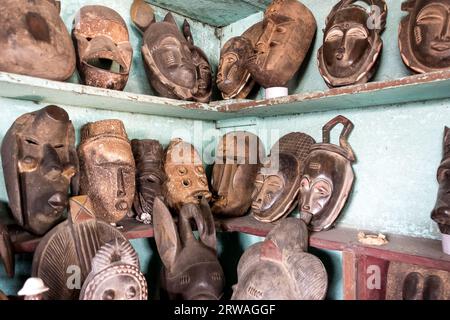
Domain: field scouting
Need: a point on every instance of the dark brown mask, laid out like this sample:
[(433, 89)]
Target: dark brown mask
[(39, 161), (289, 28), (280, 268), (327, 178), (191, 269), (107, 169), (150, 176), (233, 78), (104, 53), (34, 40), (424, 35), (441, 212), (277, 184), (238, 159), (352, 42)]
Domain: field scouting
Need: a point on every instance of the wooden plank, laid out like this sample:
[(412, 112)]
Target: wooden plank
[(349, 275)]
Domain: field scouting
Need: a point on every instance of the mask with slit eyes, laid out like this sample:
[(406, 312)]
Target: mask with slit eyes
[(277, 184), (34, 40), (352, 42), (288, 31), (39, 164), (424, 35), (107, 169), (327, 178), (104, 52)]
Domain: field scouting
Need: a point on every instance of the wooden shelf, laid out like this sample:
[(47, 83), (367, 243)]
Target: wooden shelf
[(422, 87)]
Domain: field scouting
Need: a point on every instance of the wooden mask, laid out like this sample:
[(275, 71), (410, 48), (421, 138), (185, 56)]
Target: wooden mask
[(327, 178), (289, 28), (107, 169), (64, 255), (115, 274), (186, 179), (34, 40), (238, 158), (39, 164), (191, 268), (104, 52), (233, 78), (277, 184), (279, 268), (352, 42), (441, 212), (150, 176), (424, 35)]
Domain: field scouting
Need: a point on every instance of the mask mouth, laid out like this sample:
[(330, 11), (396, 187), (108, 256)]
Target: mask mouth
[(106, 64), (122, 205), (440, 46)]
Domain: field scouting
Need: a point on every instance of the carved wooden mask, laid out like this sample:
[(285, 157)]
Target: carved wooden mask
[(238, 158), (233, 78), (191, 268), (279, 268), (34, 40), (277, 184), (289, 28), (327, 178), (104, 52), (352, 42), (150, 176), (107, 169), (424, 35), (186, 178), (69, 248), (115, 274), (441, 212), (39, 163)]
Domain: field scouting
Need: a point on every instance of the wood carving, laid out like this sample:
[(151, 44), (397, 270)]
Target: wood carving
[(6, 251)]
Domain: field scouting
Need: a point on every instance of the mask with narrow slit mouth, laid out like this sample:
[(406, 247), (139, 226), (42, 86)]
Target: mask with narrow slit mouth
[(104, 52)]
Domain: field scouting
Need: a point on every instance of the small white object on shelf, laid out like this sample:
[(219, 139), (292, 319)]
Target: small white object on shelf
[(275, 92), (446, 243)]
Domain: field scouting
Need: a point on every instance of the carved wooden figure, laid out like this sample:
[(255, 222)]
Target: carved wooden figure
[(289, 28), (186, 178), (279, 268), (327, 178), (424, 35), (63, 257), (39, 164), (115, 274), (352, 42), (277, 184), (150, 176), (175, 67), (107, 169), (103, 48), (239, 156), (6, 251), (34, 40), (191, 268)]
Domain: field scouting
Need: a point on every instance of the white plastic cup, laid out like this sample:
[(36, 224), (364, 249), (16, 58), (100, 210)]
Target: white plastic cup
[(446, 243), (275, 92)]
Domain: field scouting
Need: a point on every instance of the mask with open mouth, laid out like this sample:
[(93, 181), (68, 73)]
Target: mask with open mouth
[(424, 35), (104, 52)]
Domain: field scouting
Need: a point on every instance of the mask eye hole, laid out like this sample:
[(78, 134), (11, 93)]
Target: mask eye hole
[(185, 279), (200, 169), (108, 295), (131, 293), (59, 146), (31, 141), (186, 183), (182, 171)]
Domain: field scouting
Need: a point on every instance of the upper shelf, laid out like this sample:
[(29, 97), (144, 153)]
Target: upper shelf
[(408, 89)]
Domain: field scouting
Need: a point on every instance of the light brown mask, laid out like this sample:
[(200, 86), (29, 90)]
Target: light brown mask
[(107, 169), (238, 157), (424, 35), (289, 28), (186, 179), (34, 40), (352, 42)]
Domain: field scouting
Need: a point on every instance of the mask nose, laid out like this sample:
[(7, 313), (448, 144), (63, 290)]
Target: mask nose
[(445, 31), (58, 201), (51, 165), (120, 184)]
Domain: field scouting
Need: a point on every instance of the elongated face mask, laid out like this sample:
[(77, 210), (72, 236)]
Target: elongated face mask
[(39, 162), (424, 35), (34, 40), (289, 28), (352, 42), (327, 178), (103, 49), (107, 169)]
